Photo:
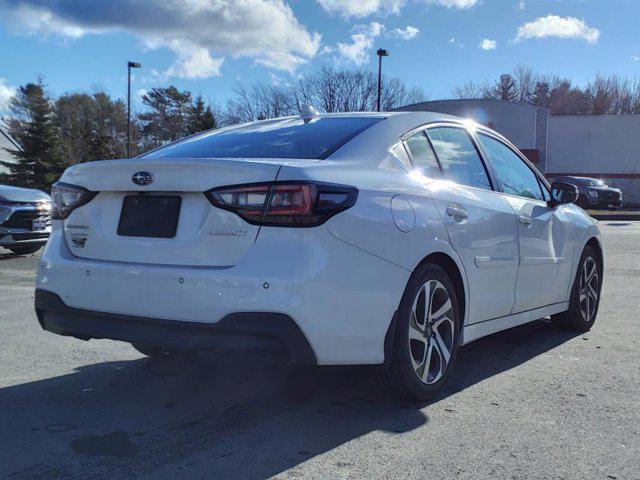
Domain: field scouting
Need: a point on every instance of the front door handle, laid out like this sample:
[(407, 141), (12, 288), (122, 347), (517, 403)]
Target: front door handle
[(525, 220), (458, 213)]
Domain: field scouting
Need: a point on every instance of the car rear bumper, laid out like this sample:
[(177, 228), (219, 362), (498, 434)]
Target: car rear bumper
[(242, 330), (341, 298)]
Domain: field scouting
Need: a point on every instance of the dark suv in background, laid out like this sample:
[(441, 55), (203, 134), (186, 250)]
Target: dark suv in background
[(25, 219), (594, 193)]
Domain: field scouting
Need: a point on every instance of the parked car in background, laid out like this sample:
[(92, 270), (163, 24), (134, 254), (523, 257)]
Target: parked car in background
[(25, 219), (594, 193), (371, 238)]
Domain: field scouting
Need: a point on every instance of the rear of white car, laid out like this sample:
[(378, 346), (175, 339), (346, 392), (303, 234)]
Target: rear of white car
[(215, 253)]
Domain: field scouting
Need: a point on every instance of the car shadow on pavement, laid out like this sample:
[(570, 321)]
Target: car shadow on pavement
[(10, 255), (221, 416)]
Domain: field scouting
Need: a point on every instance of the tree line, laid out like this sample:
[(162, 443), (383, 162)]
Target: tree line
[(54, 133), (603, 95)]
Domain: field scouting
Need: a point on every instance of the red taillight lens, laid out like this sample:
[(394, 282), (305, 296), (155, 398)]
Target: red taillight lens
[(65, 198), (290, 204)]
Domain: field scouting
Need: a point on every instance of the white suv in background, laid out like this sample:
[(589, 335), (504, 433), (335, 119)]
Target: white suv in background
[(379, 238)]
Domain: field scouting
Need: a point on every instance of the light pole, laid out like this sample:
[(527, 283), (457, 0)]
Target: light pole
[(130, 65), (381, 53)]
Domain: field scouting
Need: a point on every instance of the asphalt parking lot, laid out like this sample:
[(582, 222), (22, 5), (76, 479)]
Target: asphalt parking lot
[(531, 402)]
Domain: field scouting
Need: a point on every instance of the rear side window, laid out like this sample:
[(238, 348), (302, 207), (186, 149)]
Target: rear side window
[(458, 157), (400, 154), (514, 176), (314, 138), (423, 156)]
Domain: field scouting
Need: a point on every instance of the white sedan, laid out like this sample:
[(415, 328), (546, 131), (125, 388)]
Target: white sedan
[(374, 238)]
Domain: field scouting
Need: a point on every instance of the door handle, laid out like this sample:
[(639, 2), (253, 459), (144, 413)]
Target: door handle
[(458, 213), (526, 221)]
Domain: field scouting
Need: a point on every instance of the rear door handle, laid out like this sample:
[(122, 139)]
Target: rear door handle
[(458, 213), (524, 220)]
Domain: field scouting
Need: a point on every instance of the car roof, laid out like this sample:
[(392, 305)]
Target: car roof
[(376, 139)]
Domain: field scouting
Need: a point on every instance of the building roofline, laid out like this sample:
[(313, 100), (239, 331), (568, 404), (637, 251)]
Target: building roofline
[(586, 115), (9, 138)]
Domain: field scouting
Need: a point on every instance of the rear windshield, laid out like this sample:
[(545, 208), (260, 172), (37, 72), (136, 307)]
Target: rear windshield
[(314, 138)]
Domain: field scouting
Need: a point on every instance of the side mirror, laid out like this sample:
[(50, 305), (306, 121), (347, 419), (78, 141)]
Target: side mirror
[(562, 193)]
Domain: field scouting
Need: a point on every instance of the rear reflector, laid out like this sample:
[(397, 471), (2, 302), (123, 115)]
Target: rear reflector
[(286, 204)]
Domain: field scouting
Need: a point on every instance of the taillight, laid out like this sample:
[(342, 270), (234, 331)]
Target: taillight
[(65, 198), (287, 204)]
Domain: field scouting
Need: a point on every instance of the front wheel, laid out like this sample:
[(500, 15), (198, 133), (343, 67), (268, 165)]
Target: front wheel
[(585, 295), (426, 336)]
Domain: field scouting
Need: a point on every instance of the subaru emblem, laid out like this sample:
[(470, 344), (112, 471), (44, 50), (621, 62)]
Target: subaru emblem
[(142, 178)]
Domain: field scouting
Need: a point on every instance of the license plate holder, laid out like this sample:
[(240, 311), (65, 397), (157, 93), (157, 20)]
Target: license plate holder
[(153, 216)]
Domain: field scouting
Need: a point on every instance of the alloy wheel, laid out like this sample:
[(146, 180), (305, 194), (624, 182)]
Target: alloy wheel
[(431, 331), (589, 283)]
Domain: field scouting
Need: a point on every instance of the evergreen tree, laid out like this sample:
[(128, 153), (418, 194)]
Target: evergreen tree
[(32, 124), (109, 134), (92, 127), (201, 117), (166, 118), (505, 89)]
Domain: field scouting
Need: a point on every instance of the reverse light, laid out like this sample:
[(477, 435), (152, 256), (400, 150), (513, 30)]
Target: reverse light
[(286, 204), (65, 198)]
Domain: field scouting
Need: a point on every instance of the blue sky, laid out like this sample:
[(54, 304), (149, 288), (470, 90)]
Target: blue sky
[(209, 46)]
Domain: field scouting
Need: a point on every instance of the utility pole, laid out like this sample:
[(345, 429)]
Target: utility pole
[(381, 53), (130, 65)]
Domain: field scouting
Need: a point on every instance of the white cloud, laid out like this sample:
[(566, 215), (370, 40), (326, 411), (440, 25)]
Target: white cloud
[(488, 44), (200, 32), (459, 4), (193, 62), (326, 50), (357, 52), (361, 8), (6, 92), (635, 58), (407, 33), (522, 5), (560, 27)]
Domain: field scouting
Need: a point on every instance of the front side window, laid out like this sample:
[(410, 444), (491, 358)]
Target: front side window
[(458, 156), (423, 156), (316, 138), (514, 176)]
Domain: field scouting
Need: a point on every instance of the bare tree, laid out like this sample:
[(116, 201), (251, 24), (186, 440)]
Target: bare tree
[(525, 83), (610, 94), (470, 90), (328, 89)]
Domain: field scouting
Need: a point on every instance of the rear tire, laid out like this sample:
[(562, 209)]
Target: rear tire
[(25, 249), (158, 352), (426, 336), (585, 295)]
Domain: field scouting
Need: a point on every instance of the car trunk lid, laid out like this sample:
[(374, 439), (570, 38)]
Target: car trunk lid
[(118, 224)]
